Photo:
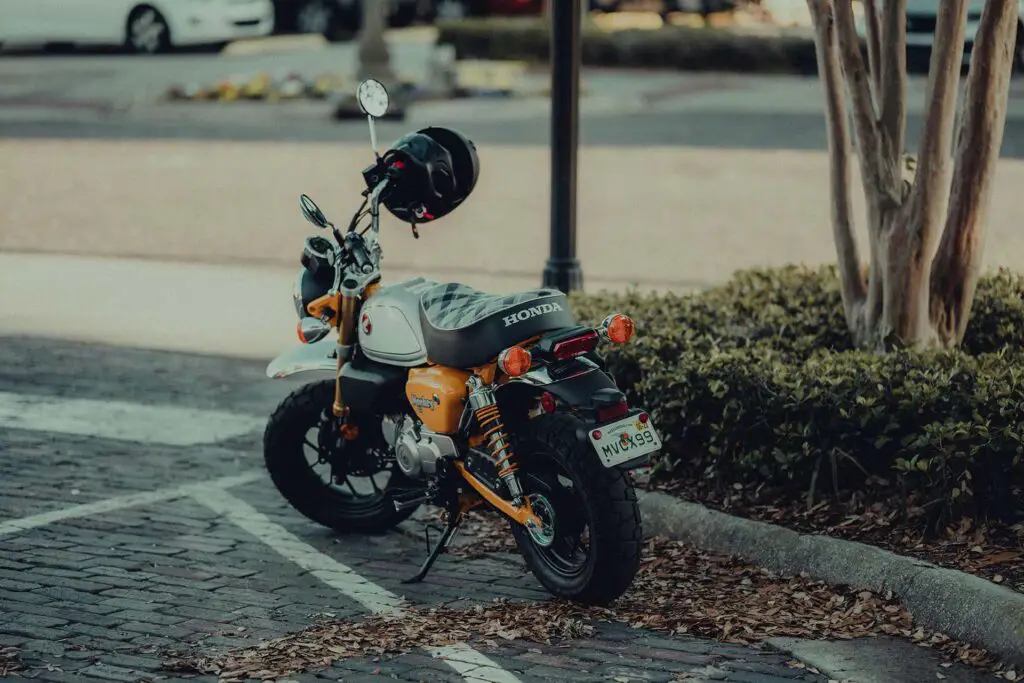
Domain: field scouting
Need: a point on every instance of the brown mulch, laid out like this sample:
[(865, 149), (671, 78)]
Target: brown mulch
[(679, 590), (992, 551), (9, 662)]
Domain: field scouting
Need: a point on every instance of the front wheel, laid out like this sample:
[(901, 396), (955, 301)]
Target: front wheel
[(348, 486), (589, 550)]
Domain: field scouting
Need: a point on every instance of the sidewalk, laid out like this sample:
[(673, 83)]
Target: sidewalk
[(662, 218)]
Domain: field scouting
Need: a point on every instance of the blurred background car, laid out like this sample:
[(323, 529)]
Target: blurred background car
[(921, 18), (331, 17), (334, 17), (147, 27)]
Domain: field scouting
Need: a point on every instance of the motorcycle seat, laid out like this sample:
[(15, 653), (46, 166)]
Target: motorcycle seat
[(465, 328)]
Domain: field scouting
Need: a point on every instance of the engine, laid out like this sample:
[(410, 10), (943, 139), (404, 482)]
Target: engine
[(416, 448)]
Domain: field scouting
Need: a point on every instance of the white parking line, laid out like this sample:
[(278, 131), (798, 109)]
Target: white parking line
[(120, 502), (167, 425), (467, 662)]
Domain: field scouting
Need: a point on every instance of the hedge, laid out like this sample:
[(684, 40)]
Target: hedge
[(678, 47), (755, 381)]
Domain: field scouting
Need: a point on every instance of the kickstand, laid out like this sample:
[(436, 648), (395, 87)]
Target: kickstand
[(442, 545)]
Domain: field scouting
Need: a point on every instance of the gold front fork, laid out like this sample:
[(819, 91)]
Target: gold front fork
[(346, 338), (348, 315)]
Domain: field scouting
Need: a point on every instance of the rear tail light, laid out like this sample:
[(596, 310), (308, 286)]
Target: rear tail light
[(577, 346), (607, 413), (515, 361), (547, 402)]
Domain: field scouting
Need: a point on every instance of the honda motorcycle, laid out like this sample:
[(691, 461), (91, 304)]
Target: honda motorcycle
[(444, 395)]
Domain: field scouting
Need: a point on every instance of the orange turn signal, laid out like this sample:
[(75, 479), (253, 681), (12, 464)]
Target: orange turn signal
[(515, 361), (619, 328)]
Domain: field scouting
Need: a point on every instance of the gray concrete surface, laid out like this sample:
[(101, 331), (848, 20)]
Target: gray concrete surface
[(874, 660), (662, 218), (961, 605)]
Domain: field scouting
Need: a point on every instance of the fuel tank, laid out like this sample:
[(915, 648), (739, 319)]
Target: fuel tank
[(438, 395), (389, 324)]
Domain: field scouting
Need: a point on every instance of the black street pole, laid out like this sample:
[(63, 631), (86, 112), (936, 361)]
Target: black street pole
[(563, 268)]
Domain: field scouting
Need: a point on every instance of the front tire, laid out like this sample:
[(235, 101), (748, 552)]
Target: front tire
[(339, 507), (601, 501)]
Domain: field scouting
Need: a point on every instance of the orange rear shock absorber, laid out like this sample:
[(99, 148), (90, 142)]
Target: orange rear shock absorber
[(488, 417)]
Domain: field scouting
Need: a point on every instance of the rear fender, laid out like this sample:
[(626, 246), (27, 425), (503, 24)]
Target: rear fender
[(321, 356), (580, 383)]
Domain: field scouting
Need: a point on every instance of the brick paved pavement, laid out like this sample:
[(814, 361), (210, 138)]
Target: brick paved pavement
[(101, 596)]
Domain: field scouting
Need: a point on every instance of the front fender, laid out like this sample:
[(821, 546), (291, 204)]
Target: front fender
[(319, 356)]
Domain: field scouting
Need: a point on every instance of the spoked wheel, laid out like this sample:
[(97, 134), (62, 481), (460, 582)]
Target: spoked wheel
[(589, 548), (147, 32), (346, 485)]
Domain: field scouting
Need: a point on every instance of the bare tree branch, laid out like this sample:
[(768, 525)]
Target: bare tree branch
[(931, 188), (957, 264), (893, 85), (860, 90), (874, 36), (840, 151)]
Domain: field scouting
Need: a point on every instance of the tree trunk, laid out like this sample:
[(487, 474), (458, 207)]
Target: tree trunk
[(926, 216), (374, 56)]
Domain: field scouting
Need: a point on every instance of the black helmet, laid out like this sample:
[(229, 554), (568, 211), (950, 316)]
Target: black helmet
[(438, 169)]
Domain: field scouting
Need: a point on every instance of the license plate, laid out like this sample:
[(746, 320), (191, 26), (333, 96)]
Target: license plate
[(624, 440)]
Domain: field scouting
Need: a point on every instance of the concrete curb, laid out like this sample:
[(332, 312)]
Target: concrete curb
[(960, 605)]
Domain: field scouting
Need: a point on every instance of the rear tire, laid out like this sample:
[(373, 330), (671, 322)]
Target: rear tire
[(603, 499), (285, 459)]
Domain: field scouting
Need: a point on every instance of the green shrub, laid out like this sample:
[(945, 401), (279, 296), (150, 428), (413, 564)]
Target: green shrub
[(755, 381), (679, 47)]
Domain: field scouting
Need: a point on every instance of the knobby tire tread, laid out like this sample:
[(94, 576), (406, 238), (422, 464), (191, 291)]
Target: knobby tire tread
[(616, 527), (301, 487)]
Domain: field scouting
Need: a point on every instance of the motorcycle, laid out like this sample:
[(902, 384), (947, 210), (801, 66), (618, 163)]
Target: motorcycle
[(444, 395)]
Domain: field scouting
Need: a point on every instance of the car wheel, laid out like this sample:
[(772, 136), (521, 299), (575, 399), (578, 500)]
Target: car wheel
[(315, 16), (147, 31), (405, 14), (450, 10)]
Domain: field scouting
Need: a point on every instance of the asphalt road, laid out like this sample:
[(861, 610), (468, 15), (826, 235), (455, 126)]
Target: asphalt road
[(136, 519), (724, 130), (117, 97)]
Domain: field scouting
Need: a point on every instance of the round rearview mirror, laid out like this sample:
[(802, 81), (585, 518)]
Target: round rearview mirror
[(312, 212), (373, 98)]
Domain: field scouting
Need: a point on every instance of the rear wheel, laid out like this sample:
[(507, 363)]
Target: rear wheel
[(347, 486), (589, 550)]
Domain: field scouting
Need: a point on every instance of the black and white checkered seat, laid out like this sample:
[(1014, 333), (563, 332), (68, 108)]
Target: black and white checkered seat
[(464, 327)]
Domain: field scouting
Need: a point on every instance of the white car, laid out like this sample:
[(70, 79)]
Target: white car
[(921, 18), (145, 26)]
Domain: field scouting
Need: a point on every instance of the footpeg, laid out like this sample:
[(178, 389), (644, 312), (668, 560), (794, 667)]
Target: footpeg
[(413, 502)]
